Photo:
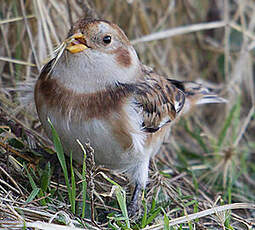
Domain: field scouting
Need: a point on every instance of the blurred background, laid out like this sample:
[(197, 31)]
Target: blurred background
[(210, 155)]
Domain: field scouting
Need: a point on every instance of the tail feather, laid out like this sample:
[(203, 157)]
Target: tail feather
[(197, 94), (200, 94), (208, 99)]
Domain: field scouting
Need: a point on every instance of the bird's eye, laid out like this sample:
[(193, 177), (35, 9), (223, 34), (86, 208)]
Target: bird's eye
[(107, 39)]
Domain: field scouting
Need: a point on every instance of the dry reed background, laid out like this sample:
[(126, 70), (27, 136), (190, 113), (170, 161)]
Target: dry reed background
[(210, 158)]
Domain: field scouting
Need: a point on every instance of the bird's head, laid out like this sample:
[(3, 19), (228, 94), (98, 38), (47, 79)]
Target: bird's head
[(98, 54)]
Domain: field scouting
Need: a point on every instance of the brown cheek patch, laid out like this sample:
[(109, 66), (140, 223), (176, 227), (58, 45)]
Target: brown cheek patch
[(123, 57)]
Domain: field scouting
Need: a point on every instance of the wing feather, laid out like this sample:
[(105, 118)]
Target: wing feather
[(160, 101)]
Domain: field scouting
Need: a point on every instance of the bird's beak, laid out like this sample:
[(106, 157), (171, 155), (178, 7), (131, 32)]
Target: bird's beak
[(76, 43)]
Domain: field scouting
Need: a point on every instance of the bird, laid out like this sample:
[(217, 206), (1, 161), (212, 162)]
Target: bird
[(97, 89)]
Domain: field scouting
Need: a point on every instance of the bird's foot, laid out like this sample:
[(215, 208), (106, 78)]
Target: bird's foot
[(133, 206)]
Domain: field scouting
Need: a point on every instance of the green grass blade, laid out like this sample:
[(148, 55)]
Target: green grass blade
[(190, 225), (196, 136), (30, 178), (73, 189), (111, 226), (226, 126), (166, 222), (236, 118), (36, 191), (43, 201), (144, 219), (45, 178), (153, 204), (109, 179), (32, 195), (153, 215), (61, 158), (195, 183), (84, 182), (195, 210), (58, 147), (121, 198)]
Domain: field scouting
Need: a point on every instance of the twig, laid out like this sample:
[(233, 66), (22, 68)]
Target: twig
[(244, 126), (214, 210), (89, 12), (29, 34), (226, 39), (20, 62), (9, 20), (13, 151), (12, 180), (69, 12), (9, 186), (179, 31)]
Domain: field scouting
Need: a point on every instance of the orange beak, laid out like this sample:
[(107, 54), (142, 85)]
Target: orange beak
[(76, 43)]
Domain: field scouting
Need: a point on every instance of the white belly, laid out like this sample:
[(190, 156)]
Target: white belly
[(108, 152)]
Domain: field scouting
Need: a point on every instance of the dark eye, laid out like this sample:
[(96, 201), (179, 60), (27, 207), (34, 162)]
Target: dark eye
[(107, 39)]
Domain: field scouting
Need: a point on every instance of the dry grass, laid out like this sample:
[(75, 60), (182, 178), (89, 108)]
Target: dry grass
[(209, 159)]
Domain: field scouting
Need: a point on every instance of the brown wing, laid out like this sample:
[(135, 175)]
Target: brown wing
[(159, 100)]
